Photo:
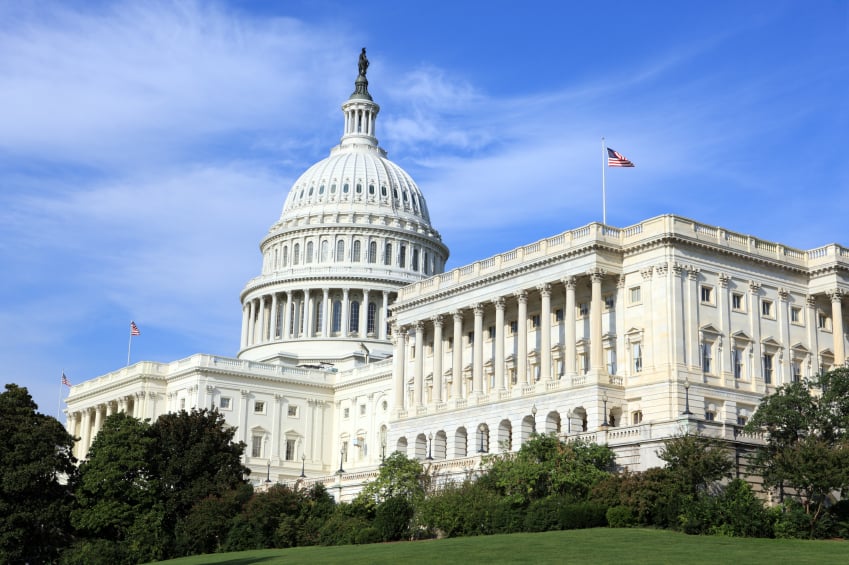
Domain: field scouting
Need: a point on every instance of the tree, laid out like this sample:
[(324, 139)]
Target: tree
[(696, 462), (546, 466), (807, 444), (398, 476), (35, 464), (114, 484)]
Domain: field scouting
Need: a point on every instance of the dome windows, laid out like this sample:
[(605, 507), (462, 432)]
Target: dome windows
[(333, 188), (371, 190), (321, 189), (359, 188), (383, 191), (345, 188)]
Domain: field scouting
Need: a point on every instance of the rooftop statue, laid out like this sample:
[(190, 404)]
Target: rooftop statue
[(362, 64)]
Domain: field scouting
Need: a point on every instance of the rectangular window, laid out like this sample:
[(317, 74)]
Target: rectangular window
[(707, 294), (514, 327), (535, 321), (491, 332), (259, 407), (292, 411), (634, 295), (558, 314), (583, 309), (256, 446), (638, 358), (182, 404), (823, 321), (224, 403), (346, 412), (706, 357), (795, 315), (796, 371), (741, 420), (362, 409), (611, 361), (737, 303), (471, 337), (609, 302), (737, 363), (766, 308), (290, 450), (767, 361), (710, 416)]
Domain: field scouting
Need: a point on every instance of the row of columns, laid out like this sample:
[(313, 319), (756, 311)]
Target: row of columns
[(261, 315), (86, 423), (401, 336)]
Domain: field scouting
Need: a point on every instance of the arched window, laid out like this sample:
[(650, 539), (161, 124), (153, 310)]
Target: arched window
[(296, 252), (285, 255), (310, 249), (319, 316), (372, 252), (354, 320), (372, 312), (402, 256), (340, 251), (355, 254), (414, 264), (426, 264), (336, 326), (387, 255), (325, 250)]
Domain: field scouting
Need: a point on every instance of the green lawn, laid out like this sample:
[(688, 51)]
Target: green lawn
[(601, 545)]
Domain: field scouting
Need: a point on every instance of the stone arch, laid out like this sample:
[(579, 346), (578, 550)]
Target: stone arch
[(421, 447), (401, 445), (482, 438), (440, 445), (579, 419), (505, 435), (552, 423), (528, 426), (461, 442)]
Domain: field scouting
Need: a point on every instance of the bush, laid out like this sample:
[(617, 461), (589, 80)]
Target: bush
[(368, 535), (544, 514), (582, 515), (621, 517), (791, 521), (392, 519)]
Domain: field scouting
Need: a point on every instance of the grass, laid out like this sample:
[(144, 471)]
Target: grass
[(596, 546)]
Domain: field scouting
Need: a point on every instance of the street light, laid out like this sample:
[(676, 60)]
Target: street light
[(686, 411), (534, 414), (430, 446), (341, 458), (303, 464), (268, 472), (604, 399)]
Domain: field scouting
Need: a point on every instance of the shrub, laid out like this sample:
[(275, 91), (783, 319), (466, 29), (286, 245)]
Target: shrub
[(544, 514), (582, 515), (392, 518), (368, 535), (621, 517)]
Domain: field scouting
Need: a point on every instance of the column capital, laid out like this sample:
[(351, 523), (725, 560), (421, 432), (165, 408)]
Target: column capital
[(437, 320), (693, 272), (544, 289), (835, 294), (521, 296), (568, 282), (661, 269), (596, 275), (458, 315), (723, 280), (811, 300), (478, 310), (647, 273), (420, 326), (783, 294), (677, 269), (499, 303), (754, 287)]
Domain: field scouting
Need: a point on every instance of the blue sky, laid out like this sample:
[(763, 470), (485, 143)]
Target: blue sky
[(146, 147)]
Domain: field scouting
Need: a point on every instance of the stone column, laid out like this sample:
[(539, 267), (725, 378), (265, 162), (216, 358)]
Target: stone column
[(418, 365), (245, 310), (400, 364), (723, 304), (596, 309), (457, 363), (85, 434), (784, 337), (262, 325), (811, 317), (477, 351), (545, 328), (287, 317), (499, 343), (692, 323), (675, 316), (756, 359), (98, 419), (569, 329), (346, 311), (326, 309), (522, 337), (309, 317), (364, 315), (384, 315), (273, 318), (437, 359), (836, 297), (251, 323)]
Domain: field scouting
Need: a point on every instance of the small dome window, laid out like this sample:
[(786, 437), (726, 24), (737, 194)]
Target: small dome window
[(395, 193), (321, 189), (405, 196), (333, 188), (371, 190), (345, 188), (311, 190), (301, 195), (383, 191), (359, 188)]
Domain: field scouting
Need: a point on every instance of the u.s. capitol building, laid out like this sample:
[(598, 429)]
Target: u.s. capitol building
[(355, 343)]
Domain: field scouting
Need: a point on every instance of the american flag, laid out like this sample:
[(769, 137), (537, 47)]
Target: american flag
[(65, 380), (616, 159), (134, 329)]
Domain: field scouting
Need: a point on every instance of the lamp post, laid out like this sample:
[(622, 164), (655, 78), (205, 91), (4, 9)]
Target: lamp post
[(569, 422), (686, 411), (534, 415), (481, 430), (303, 465), (430, 446), (268, 472), (341, 458), (604, 400)]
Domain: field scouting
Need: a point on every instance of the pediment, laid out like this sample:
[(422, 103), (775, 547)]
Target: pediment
[(711, 329), (741, 336), (770, 341), (799, 348)]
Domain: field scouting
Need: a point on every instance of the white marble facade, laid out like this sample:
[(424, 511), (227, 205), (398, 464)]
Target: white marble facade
[(355, 343)]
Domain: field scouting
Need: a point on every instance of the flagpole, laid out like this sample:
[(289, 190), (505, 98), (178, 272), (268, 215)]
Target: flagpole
[(59, 405), (129, 346), (603, 184)]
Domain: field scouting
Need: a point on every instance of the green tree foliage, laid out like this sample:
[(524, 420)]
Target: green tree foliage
[(734, 511), (398, 476), (546, 466), (696, 463), (807, 444), (35, 462), (205, 529), (114, 485)]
